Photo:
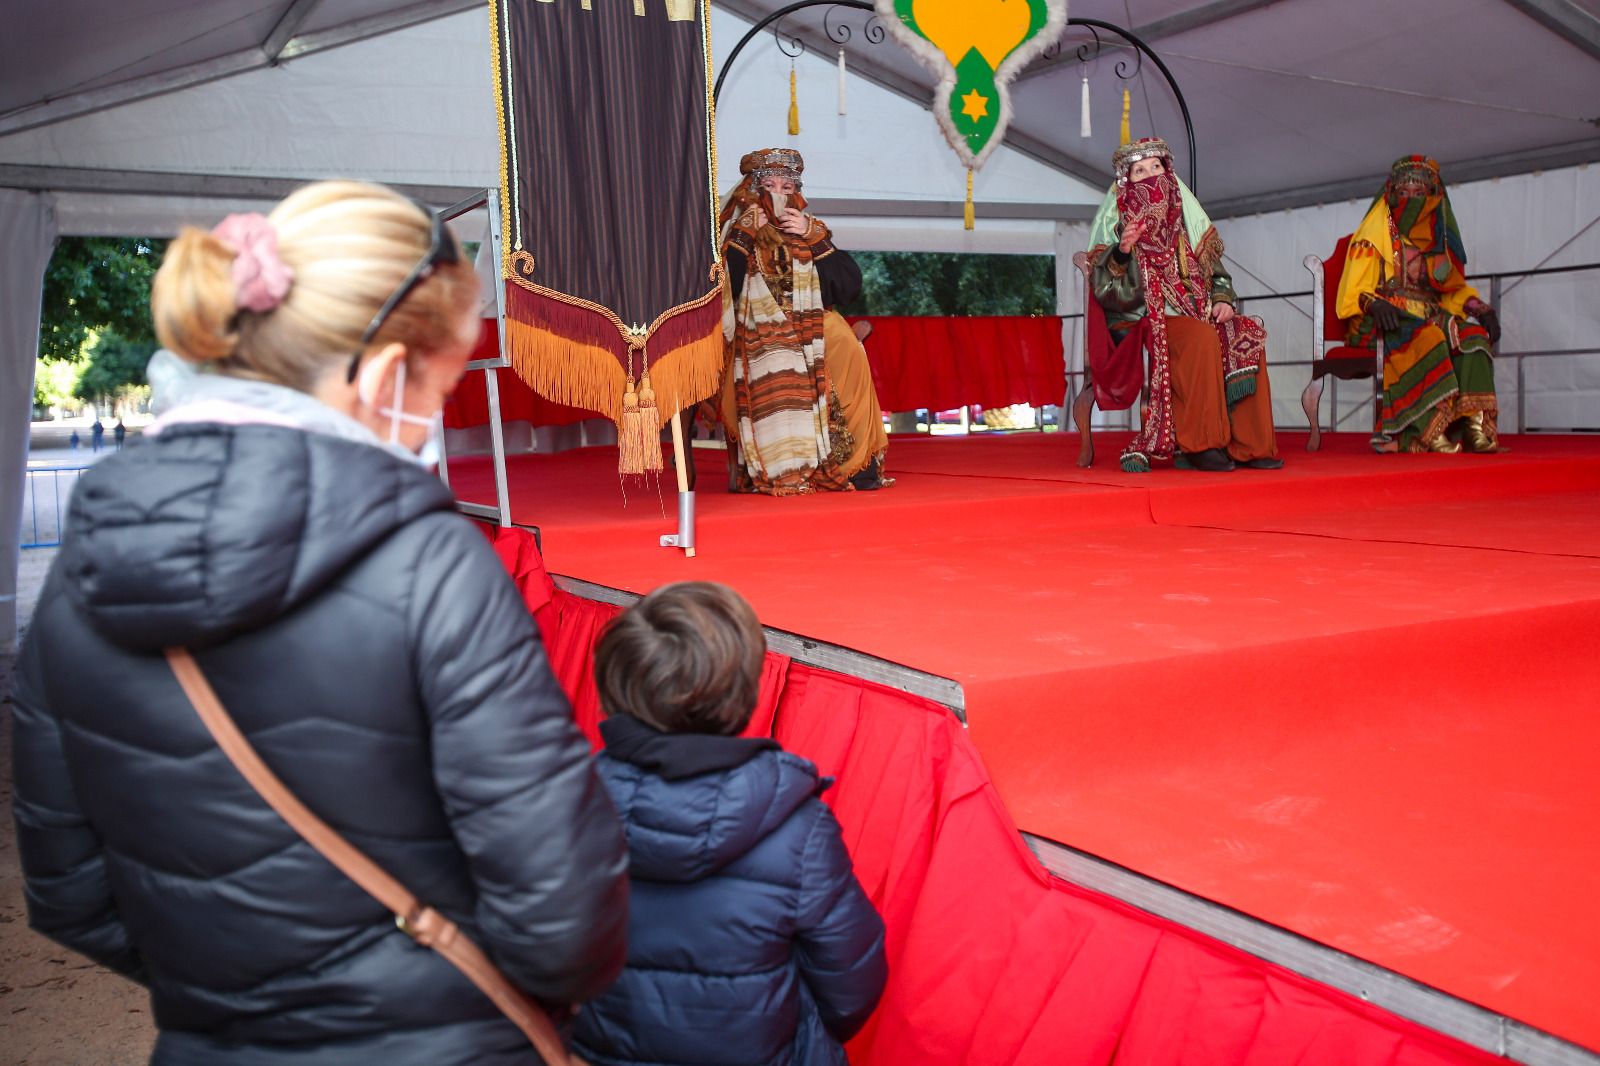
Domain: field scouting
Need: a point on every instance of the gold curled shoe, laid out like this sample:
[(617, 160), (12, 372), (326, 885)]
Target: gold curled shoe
[(1475, 438), (1443, 445)]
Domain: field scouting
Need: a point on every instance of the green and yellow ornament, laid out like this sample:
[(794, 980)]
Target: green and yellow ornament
[(976, 47)]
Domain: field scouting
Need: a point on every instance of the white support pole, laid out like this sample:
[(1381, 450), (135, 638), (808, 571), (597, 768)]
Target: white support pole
[(681, 458)]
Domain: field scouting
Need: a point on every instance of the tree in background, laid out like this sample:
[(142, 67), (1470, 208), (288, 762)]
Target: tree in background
[(950, 283), (54, 384), (95, 285), (115, 366)]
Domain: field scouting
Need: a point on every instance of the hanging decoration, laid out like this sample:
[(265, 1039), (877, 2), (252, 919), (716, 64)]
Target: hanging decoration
[(976, 47), (1084, 128), (841, 81), (794, 104), (606, 306), (1127, 103)]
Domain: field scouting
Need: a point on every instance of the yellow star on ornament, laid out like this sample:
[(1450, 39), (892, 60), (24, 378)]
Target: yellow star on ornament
[(975, 105)]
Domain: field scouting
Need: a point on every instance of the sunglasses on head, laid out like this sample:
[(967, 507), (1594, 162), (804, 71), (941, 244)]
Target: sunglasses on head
[(441, 249)]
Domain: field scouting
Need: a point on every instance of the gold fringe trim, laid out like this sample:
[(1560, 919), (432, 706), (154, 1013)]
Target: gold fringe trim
[(592, 376), (628, 336), (689, 373), (567, 371)]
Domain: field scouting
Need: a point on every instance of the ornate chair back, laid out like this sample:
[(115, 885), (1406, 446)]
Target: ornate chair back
[(1330, 355)]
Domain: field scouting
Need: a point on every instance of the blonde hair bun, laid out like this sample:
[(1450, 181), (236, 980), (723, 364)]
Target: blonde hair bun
[(192, 299), (348, 246)]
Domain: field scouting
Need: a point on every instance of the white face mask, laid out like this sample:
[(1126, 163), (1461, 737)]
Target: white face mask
[(428, 454), (432, 448)]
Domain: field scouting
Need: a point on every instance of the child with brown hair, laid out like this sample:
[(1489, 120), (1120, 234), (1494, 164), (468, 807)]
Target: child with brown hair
[(749, 939)]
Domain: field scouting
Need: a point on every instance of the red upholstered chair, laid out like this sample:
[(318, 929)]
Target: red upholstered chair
[(1083, 405), (1329, 353)]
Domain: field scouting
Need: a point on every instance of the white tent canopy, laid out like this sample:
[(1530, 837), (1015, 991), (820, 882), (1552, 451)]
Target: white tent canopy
[(137, 118)]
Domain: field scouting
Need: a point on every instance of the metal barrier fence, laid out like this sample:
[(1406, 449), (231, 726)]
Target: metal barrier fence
[(45, 498)]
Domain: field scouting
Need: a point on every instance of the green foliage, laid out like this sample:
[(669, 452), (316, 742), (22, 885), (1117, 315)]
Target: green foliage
[(54, 382), (95, 284), (115, 365), (951, 283)]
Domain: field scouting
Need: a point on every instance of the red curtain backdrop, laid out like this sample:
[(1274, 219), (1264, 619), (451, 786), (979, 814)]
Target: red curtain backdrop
[(935, 363), (991, 960), (943, 362)]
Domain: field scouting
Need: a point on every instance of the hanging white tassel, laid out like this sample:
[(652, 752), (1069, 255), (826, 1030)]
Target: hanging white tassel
[(1083, 117), (841, 81)]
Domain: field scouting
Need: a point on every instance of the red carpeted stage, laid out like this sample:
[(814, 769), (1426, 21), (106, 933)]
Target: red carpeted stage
[(1354, 698)]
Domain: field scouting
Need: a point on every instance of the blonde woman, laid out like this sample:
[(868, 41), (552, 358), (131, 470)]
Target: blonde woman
[(275, 519)]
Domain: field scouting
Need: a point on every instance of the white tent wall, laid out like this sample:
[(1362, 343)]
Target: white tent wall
[(1512, 223), (27, 237)]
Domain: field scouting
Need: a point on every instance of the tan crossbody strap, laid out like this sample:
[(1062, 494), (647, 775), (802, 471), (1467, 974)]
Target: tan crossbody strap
[(424, 924)]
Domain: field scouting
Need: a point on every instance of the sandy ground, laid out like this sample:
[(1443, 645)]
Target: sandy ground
[(56, 1008)]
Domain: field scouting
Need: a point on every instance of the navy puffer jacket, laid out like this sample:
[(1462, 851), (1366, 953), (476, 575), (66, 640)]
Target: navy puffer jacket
[(749, 940), (366, 640)]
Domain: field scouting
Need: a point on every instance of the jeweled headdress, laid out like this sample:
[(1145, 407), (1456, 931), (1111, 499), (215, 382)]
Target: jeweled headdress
[(1123, 159), (773, 162)]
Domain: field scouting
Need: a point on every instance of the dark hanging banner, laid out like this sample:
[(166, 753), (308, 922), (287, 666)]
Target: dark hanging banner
[(608, 186)]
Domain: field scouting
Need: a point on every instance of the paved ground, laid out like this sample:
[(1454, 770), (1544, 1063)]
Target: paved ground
[(56, 1008)]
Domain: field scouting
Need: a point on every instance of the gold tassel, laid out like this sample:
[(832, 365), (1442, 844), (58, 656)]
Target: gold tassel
[(967, 220), (794, 105), (630, 459), (649, 425), (1127, 102)]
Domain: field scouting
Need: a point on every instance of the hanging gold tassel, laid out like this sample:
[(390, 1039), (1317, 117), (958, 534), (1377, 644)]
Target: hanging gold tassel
[(649, 425), (1127, 102), (794, 105), (630, 459), (967, 220)]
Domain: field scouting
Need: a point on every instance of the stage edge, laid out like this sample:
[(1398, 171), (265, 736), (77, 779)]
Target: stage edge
[(1412, 1000), (813, 652)]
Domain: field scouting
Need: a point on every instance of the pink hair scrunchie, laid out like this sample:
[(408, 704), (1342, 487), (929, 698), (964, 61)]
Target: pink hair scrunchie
[(260, 278)]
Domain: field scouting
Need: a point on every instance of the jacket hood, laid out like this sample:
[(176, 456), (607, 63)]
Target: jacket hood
[(688, 828), (210, 530)]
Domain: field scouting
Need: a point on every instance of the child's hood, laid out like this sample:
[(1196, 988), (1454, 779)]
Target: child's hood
[(683, 828)]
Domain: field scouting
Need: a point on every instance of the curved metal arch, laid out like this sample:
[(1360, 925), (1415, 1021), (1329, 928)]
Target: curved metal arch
[(782, 12), (1091, 24), (1172, 83)]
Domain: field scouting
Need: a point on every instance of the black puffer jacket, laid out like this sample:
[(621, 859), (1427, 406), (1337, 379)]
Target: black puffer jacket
[(367, 641)]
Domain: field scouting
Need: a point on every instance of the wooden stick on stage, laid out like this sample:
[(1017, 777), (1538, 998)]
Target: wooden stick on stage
[(681, 459)]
